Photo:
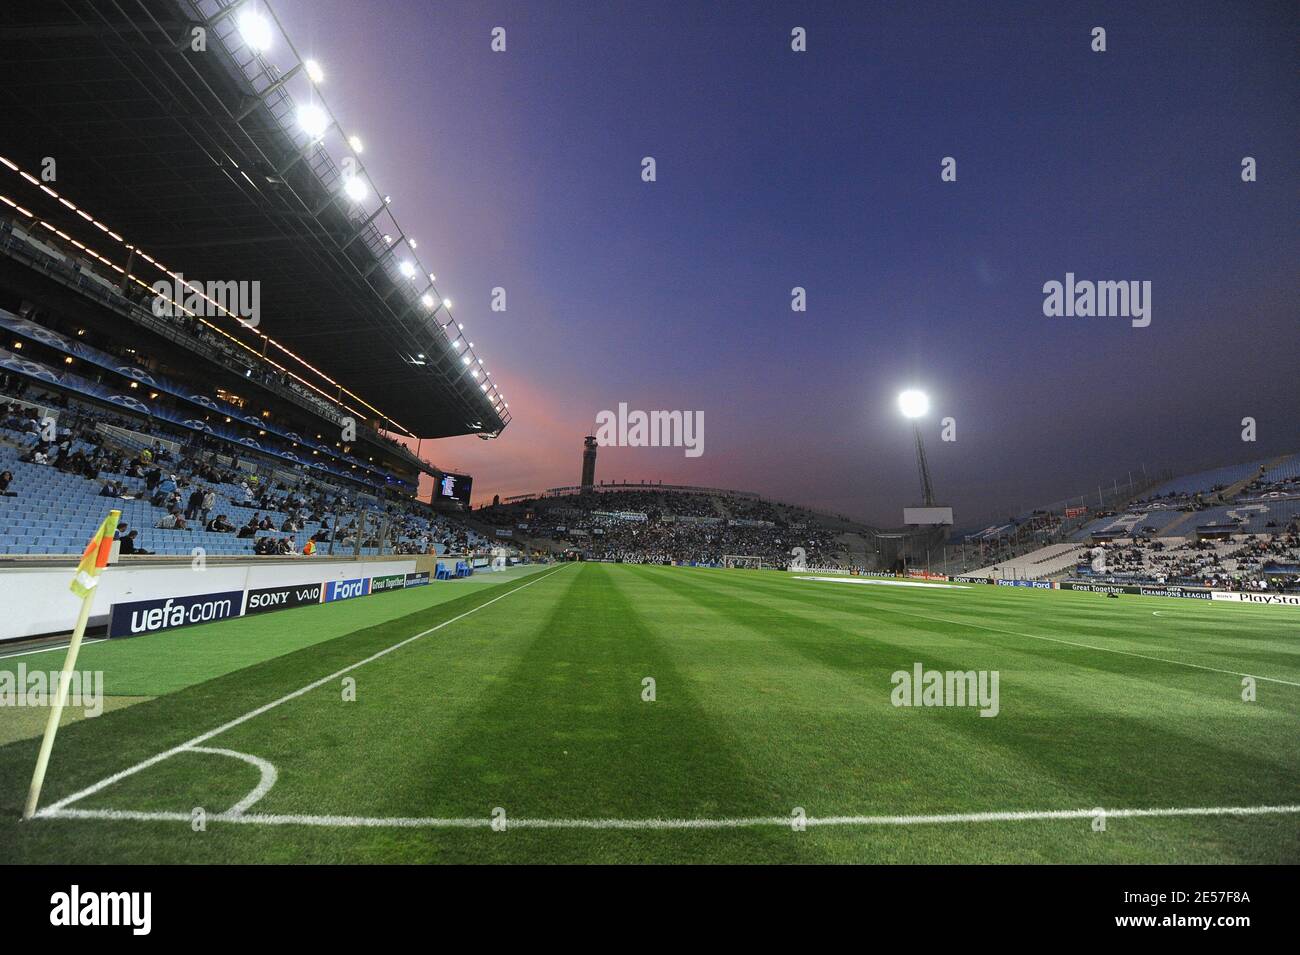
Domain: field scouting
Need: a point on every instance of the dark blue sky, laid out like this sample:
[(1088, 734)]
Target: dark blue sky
[(775, 169)]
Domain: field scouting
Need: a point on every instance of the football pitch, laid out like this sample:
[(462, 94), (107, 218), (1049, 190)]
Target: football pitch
[(610, 713)]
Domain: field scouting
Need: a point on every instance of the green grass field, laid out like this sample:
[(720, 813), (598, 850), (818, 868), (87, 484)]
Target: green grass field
[(771, 693)]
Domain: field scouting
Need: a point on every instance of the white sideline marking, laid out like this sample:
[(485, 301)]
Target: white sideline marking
[(64, 646), (742, 822), (881, 582), (1087, 646), (204, 737)]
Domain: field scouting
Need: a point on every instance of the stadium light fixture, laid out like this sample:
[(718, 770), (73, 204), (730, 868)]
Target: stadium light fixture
[(313, 120), (314, 72), (446, 303), (355, 143), (407, 269), (913, 403), (256, 30), (426, 301), (354, 187)]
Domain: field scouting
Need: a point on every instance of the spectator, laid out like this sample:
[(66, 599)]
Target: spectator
[(219, 525), (173, 520), (129, 546)]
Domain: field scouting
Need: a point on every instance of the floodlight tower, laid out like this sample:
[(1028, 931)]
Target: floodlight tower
[(914, 404)]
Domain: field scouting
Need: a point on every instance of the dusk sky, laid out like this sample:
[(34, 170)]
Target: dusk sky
[(821, 169)]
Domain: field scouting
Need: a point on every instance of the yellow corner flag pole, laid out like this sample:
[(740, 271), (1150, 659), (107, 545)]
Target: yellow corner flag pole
[(93, 560)]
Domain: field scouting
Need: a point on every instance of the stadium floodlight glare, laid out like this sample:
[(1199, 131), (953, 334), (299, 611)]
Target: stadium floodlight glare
[(426, 301), (313, 120), (256, 30), (913, 403), (355, 143), (354, 187), (407, 269), (314, 72)]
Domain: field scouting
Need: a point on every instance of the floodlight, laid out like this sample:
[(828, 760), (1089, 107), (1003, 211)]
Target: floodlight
[(426, 301), (913, 403), (355, 143), (314, 72), (407, 269), (354, 187), (256, 30), (313, 120)]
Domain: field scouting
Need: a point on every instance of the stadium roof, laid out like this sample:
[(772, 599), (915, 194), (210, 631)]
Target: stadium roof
[(218, 164)]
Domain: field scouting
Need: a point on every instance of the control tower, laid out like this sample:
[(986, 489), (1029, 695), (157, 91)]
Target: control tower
[(589, 461)]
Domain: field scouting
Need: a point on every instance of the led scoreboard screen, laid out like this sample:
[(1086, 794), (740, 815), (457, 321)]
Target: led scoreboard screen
[(452, 487)]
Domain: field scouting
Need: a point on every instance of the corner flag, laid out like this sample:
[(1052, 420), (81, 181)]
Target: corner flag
[(93, 559)]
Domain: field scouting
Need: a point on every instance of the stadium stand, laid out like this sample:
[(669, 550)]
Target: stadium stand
[(659, 524), (1041, 564), (59, 490)]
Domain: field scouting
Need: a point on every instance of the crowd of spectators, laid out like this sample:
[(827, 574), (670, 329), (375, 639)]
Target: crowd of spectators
[(669, 526), (193, 476), (1254, 562)]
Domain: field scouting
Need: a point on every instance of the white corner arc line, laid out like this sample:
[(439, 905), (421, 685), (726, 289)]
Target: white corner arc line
[(265, 767), (741, 822), (266, 707)]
